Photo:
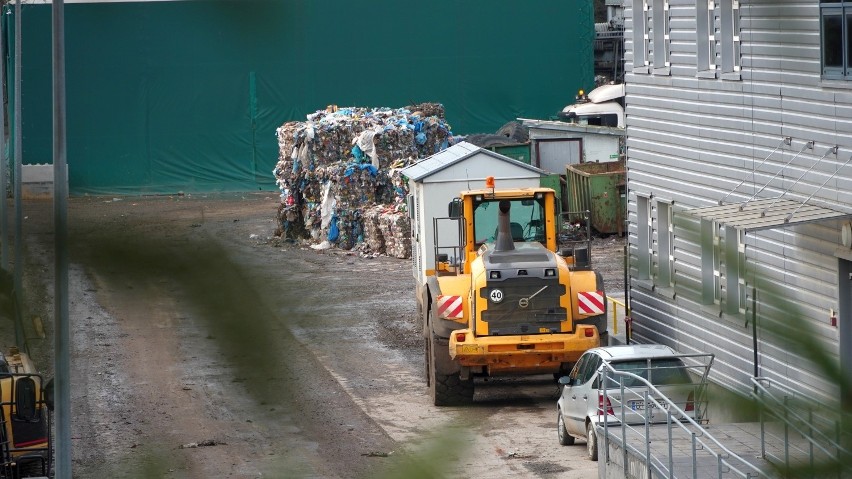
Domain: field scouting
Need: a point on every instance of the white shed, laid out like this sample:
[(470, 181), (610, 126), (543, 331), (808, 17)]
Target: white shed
[(434, 181), (556, 144)]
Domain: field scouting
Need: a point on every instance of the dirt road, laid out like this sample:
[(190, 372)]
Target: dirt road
[(202, 347)]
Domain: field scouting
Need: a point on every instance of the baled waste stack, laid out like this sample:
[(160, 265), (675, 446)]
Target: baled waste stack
[(339, 174)]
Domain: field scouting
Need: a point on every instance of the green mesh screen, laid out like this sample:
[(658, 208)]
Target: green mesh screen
[(186, 96)]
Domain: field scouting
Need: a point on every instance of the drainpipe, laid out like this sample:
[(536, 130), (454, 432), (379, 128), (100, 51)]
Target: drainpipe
[(754, 332)]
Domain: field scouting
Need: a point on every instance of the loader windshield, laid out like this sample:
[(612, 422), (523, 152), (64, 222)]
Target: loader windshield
[(526, 217)]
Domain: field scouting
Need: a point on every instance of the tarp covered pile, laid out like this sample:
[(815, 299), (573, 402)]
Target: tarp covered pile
[(339, 174)]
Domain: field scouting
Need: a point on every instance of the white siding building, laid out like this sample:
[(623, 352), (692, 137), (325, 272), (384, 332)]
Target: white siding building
[(739, 140)]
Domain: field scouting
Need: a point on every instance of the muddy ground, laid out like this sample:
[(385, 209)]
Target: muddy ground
[(203, 346)]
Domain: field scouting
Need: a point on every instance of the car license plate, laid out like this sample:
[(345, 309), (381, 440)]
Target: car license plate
[(640, 405)]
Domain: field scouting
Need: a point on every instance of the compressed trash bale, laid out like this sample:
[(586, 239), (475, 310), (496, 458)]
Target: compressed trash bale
[(340, 162), (373, 236), (396, 231)]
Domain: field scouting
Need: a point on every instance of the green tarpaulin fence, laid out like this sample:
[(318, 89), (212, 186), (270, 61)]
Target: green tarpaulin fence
[(170, 96)]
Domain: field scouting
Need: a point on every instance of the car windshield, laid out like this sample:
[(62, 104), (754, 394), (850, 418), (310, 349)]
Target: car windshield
[(661, 372), (526, 220)]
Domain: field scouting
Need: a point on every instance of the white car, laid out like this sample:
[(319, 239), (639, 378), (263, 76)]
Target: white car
[(584, 402)]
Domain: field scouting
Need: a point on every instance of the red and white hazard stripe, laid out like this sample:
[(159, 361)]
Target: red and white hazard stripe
[(450, 307), (590, 302)]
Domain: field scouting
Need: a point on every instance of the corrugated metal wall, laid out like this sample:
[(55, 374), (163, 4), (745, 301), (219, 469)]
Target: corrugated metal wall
[(692, 140)]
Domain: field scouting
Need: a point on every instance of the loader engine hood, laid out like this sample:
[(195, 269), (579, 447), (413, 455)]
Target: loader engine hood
[(520, 290)]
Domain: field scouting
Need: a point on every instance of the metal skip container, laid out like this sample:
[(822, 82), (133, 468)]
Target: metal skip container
[(600, 189)]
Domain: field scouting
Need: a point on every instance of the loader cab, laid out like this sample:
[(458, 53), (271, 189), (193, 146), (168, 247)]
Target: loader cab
[(472, 220)]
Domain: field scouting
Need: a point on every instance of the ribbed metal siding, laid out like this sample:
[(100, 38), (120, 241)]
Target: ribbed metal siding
[(691, 141)]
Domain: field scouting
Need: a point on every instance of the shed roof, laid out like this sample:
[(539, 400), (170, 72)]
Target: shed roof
[(454, 155)]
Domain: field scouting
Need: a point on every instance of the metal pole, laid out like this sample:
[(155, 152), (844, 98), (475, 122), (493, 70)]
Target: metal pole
[(647, 434), (19, 262), (62, 334), (4, 160), (694, 455)]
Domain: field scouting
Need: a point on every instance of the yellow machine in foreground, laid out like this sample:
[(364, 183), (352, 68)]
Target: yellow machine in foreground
[(500, 299), (25, 431)]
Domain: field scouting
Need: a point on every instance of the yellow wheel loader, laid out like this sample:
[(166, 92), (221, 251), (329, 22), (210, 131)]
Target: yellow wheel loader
[(499, 299), (25, 443)]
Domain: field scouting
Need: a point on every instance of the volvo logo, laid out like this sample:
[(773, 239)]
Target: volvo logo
[(524, 302)]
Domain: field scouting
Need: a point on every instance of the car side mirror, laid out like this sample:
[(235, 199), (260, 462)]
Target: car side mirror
[(566, 381)]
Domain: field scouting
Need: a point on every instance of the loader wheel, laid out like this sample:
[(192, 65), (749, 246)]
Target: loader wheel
[(451, 390), (446, 390)]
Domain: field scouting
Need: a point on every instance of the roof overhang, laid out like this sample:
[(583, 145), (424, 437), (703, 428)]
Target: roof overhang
[(767, 213)]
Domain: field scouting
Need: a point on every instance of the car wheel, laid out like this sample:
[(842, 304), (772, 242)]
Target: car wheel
[(564, 438), (591, 441)]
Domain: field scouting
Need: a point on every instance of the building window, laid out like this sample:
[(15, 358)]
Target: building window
[(665, 260), (643, 240), (722, 268), (704, 37), (640, 36), (718, 38), (734, 286), (660, 35), (710, 273), (836, 25), (729, 43)]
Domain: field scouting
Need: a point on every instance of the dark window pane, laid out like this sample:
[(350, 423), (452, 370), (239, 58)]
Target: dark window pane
[(848, 42), (591, 368), (832, 40), (665, 371)]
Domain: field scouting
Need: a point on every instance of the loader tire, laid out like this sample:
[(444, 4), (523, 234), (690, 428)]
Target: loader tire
[(446, 389), (451, 391)]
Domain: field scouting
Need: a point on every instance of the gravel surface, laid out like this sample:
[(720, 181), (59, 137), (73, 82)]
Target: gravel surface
[(203, 346)]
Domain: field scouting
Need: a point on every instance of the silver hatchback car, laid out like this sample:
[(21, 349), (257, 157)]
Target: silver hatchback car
[(586, 401)]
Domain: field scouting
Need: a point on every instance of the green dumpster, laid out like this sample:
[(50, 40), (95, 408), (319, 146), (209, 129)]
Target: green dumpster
[(554, 182), (600, 189)]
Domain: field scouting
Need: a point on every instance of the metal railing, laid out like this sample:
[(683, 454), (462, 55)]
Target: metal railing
[(802, 436), (705, 453)]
